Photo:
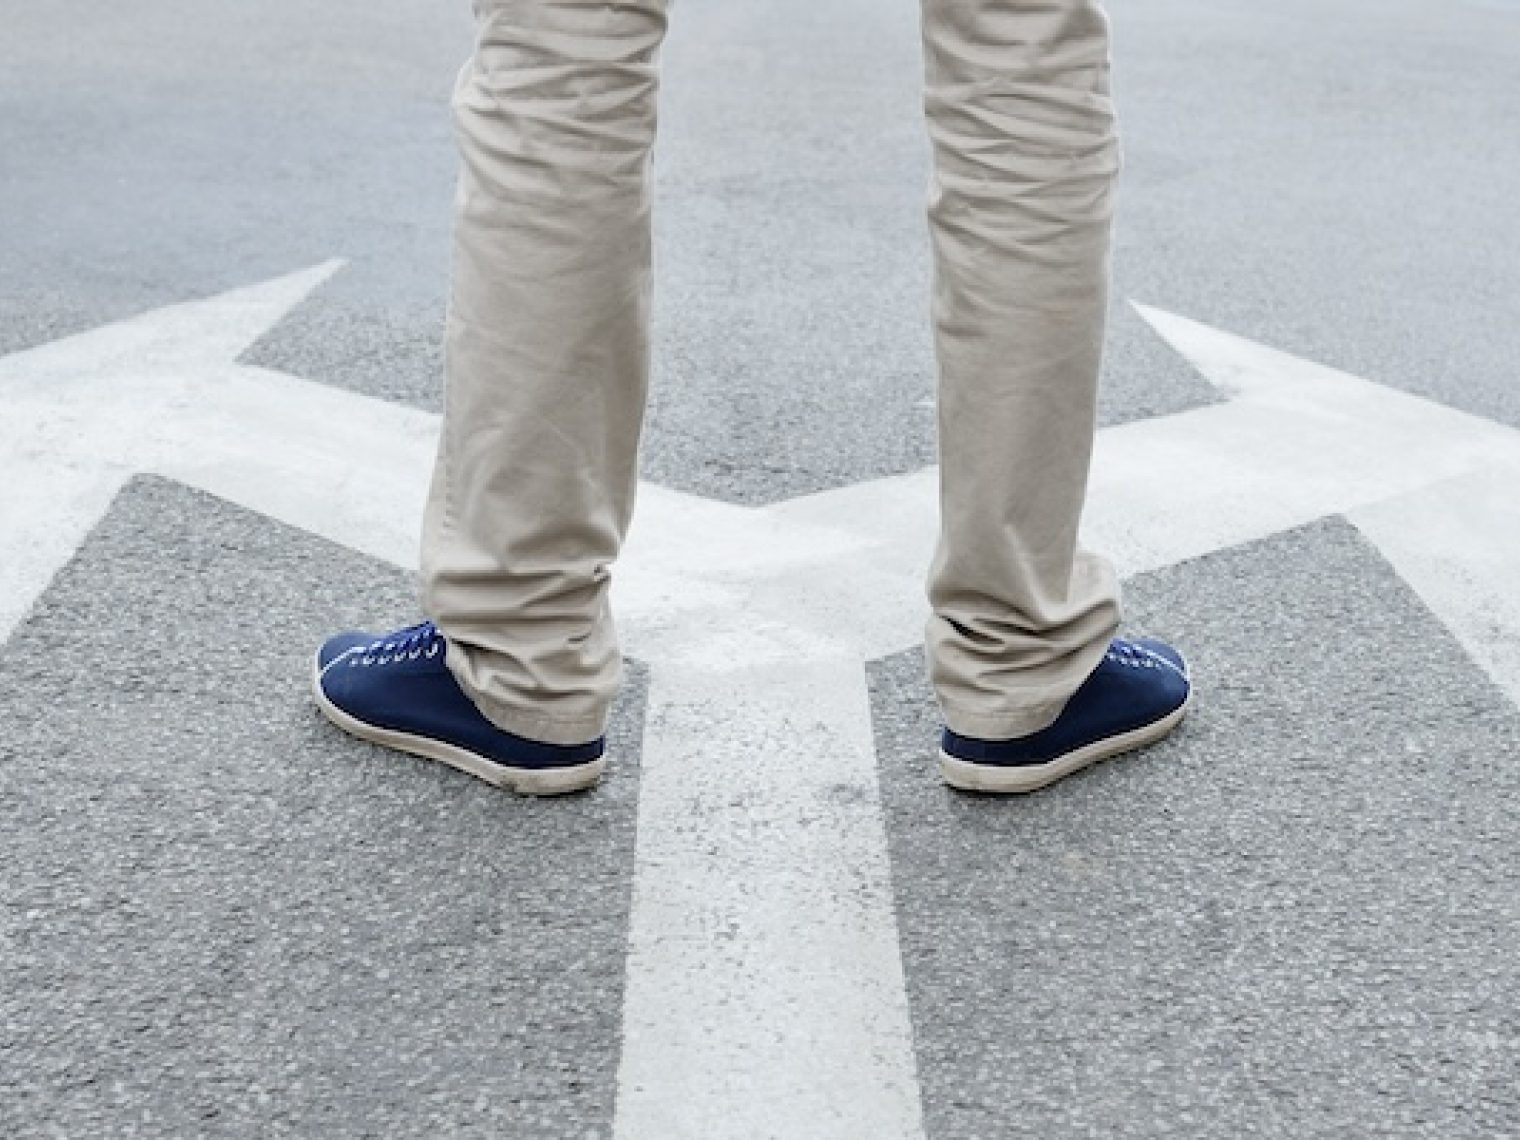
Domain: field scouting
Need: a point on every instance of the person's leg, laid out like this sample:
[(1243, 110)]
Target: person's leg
[(547, 362), (1025, 160), (547, 351), (1025, 163)]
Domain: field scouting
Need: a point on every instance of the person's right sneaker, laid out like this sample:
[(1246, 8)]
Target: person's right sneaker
[(1136, 696)]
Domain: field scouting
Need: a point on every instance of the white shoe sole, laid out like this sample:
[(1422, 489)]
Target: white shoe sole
[(1012, 778), (524, 781)]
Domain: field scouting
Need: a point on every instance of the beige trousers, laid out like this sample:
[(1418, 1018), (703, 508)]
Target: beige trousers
[(548, 354)]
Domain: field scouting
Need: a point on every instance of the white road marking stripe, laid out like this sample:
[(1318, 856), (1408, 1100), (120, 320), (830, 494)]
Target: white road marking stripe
[(86, 413), (1458, 545), (1295, 442), (764, 949), (39, 532), (765, 993), (1435, 489)]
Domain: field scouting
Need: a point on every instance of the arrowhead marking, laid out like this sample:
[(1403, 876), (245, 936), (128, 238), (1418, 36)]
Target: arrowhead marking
[(757, 620), (213, 331)]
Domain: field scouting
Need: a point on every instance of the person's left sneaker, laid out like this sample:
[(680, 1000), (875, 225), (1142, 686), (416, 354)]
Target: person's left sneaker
[(1139, 692), (396, 690)]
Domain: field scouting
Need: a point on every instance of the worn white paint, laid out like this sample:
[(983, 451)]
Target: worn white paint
[(765, 991), (39, 532), (764, 932), (1458, 545), (1294, 441), (162, 393), (1435, 489)]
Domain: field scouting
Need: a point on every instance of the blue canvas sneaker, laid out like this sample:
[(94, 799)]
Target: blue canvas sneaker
[(394, 689), (1138, 694)]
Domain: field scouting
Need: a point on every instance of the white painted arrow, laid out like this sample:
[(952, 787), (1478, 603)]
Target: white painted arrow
[(765, 992), (161, 393)]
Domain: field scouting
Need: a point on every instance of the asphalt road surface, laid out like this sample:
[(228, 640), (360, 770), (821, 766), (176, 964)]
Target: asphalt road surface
[(1297, 918)]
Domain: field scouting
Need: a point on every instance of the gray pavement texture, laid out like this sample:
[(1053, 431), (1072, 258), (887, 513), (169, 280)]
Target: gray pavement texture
[(1329, 178), (1296, 918), (222, 917), (219, 917)]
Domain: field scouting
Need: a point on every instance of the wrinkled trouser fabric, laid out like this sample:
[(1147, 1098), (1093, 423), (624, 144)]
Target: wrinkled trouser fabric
[(548, 354)]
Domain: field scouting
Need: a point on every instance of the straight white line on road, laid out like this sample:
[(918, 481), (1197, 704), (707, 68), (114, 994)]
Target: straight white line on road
[(757, 624), (765, 993)]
